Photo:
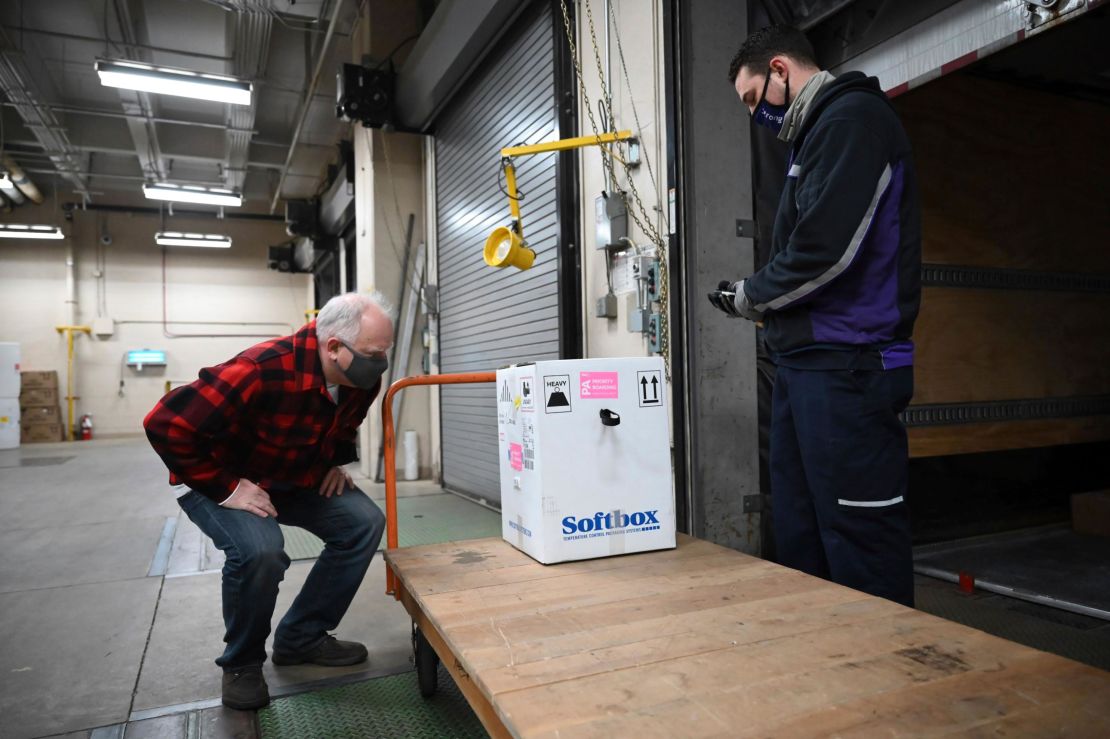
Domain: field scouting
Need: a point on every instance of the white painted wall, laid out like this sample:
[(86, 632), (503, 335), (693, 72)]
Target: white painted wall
[(389, 186), (204, 287), (639, 25)]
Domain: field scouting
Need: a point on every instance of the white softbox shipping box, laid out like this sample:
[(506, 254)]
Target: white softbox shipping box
[(585, 458)]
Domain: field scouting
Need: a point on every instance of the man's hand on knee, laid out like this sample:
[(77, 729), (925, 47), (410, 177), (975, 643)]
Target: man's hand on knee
[(251, 498), (335, 482)]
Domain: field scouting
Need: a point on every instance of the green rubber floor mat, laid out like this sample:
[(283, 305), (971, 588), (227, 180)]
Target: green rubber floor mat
[(424, 519), (385, 707), (300, 544), (432, 519)]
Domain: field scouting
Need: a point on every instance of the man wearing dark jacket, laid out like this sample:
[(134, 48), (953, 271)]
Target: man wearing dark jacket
[(260, 440), (838, 300)]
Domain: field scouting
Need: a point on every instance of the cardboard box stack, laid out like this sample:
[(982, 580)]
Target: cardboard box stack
[(1090, 513), (40, 416)]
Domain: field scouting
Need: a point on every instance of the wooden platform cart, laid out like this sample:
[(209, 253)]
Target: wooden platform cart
[(703, 641)]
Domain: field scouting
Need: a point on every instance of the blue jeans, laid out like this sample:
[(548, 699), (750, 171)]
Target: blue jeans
[(351, 526), (839, 468)]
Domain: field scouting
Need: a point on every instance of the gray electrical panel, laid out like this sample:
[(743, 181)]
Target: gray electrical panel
[(612, 220)]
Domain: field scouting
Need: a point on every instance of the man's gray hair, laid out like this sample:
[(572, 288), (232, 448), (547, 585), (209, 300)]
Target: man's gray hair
[(340, 316)]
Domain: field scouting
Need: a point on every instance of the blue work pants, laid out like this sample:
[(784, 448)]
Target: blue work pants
[(350, 525), (838, 477)]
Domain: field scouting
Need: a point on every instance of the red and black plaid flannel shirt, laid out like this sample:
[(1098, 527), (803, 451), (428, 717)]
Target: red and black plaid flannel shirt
[(265, 416)]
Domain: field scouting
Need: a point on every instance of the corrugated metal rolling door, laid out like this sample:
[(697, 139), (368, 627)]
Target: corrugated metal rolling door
[(490, 318)]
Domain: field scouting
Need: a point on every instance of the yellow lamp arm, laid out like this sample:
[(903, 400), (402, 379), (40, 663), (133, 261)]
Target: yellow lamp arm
[(567, 144), (506, 245), (514, 194)]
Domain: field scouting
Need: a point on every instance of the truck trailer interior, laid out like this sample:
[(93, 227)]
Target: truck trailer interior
[(1011, 412)]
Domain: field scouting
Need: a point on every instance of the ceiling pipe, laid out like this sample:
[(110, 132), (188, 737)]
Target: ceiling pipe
[(108, 176), (177, 212), (307, 102), (100, 42), (128, 177), (21, 180), (73, 110)]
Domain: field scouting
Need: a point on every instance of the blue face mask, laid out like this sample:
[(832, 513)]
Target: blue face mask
[(766, 114)]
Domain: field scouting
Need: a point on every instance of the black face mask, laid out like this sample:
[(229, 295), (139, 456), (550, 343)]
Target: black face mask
[(365, 370), (766, 114)]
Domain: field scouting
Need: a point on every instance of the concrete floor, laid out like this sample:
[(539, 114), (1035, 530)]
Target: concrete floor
[(95, 636)]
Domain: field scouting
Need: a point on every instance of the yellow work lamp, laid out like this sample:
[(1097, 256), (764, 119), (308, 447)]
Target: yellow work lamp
[(506, 246)]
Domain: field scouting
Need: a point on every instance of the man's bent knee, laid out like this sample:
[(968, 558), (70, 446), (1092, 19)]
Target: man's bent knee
[(266, 557), (369, 523)]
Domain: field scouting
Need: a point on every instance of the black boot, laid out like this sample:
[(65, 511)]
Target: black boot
[(331, 652), (245, 689)]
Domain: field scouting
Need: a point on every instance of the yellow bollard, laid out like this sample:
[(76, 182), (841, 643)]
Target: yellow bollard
[(69, 331)]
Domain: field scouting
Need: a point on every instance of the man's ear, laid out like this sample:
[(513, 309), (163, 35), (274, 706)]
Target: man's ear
[(778, 65)]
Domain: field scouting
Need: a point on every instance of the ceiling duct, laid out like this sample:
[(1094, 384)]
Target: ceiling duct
[(137, 105), (251, 53), (15, 82), (24, 188), (337, 204)]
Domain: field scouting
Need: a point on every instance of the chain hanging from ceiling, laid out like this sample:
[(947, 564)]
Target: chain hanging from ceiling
[(633, 202)]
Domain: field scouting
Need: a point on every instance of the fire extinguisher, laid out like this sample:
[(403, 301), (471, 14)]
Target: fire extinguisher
[(86, 427)]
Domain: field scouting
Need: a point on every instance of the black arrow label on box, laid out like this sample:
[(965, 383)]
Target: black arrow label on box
[(649, 388)]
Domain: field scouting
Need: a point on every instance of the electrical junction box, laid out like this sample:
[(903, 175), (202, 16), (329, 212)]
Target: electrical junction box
[(585, 458), (612, 220), (606, 306), (103, 327)]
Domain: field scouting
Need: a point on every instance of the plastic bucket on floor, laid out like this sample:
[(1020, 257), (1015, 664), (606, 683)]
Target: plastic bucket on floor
[(411, 447)]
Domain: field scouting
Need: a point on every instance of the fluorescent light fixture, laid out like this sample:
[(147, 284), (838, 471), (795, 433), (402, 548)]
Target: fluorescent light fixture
[(178, 238), (25, 231), (193, 194), (150, 357), (169, 81)]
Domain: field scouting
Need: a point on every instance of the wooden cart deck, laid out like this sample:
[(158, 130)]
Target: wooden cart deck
[(704, 641)]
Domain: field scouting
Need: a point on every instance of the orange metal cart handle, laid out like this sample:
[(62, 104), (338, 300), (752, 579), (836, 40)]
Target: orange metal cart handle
[(389, 437)]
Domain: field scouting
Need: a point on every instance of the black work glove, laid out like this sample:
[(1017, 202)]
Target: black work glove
[(731, 299)]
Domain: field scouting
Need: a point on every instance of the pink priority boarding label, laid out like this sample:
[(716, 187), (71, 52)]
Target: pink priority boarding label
[(598, 385)]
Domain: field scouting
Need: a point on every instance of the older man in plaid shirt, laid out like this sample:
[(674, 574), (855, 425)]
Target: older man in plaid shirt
[(261, 440)]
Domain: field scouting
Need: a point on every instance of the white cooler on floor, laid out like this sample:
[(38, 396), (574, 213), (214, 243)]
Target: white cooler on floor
[(9, 395), (585, 458), (9, 423)]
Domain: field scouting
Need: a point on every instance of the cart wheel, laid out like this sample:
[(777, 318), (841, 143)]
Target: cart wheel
[(427, 665)]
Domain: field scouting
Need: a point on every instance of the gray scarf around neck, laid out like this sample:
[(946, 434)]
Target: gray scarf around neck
[(796, 113)]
